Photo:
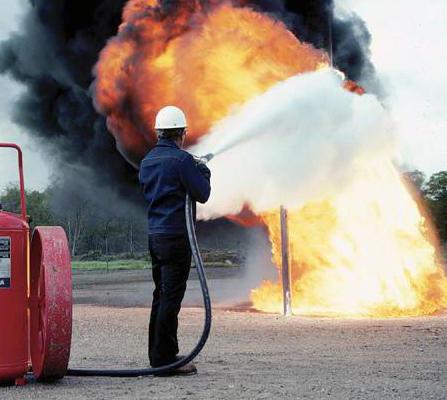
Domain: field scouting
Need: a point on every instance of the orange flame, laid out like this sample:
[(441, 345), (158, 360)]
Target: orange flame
[(205, 63), (365, 252)]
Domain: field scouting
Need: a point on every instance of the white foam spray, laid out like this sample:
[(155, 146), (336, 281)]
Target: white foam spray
[(296, 142)]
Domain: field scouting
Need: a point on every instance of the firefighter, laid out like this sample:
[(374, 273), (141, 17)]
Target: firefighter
[(167, 173)]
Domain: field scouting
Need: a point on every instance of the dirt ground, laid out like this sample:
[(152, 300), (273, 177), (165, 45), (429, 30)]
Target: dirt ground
[(250, 355)]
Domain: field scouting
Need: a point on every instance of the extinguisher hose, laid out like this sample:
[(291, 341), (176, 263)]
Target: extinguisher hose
[(124, 373)]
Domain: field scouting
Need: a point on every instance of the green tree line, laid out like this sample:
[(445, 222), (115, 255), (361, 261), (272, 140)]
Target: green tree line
[(93, 231), (433, 190)]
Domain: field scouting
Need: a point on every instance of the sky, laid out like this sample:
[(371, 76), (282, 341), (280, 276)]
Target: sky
[(409, 49)]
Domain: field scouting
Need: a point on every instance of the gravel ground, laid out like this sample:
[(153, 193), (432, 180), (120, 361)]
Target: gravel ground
[(259, 356)]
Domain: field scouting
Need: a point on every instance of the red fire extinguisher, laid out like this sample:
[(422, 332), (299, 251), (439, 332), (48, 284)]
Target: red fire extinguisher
[(35, 296), (14, 243)]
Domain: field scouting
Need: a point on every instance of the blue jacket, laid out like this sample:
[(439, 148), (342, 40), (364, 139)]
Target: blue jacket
[(167, 173)]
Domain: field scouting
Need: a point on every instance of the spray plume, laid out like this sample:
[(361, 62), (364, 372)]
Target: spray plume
[(296, 142)]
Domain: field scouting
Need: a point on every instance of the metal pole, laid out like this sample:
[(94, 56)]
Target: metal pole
[(330, 34), (287, 297), (21, 179)]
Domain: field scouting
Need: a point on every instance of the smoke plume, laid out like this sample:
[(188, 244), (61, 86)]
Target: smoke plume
[(53, 55), (58, 44)]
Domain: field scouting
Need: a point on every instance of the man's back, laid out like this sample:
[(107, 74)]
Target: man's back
[(167, 173)]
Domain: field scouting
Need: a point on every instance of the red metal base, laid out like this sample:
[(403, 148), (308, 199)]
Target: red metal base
[(50, 303)]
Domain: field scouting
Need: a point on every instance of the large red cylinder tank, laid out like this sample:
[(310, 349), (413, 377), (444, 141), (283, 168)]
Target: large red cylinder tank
[(36, 290), (14, 347)]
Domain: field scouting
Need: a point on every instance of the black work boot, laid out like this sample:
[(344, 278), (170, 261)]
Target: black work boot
[(187, 370)]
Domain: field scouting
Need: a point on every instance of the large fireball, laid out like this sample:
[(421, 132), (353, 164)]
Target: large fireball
[(205, 63)]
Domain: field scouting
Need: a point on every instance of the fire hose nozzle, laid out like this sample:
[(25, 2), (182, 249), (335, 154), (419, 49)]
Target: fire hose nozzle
[(204, 159)]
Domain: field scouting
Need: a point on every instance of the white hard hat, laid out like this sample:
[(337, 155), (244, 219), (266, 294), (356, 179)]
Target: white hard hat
[(170, 117)]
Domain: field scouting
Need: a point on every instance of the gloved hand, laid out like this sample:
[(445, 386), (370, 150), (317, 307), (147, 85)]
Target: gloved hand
[(204, 170)]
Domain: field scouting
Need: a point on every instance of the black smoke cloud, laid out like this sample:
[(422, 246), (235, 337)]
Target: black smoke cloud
[(313, 21), (57, 46), (53, 55)]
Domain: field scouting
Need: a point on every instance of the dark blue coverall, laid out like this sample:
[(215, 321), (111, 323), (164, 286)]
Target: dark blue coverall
[(167, 173)]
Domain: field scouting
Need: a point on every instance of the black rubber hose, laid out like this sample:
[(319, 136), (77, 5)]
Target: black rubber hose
[(125, 373)]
